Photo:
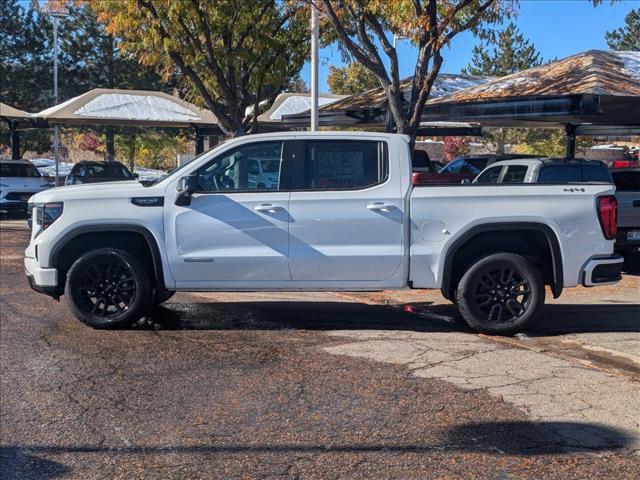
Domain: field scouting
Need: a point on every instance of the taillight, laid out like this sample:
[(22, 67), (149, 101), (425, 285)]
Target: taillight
[(417, 178), (608, 216)]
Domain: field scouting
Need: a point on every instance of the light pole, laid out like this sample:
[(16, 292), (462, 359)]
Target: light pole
[(315, 39), (56, 12)]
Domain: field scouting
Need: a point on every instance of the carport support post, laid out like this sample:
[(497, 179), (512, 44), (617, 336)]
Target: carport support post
[(199, 142), (15, 141), (570, 133)]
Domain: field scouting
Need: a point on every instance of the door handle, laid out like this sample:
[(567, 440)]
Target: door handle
[(379, 206), (267, 207)]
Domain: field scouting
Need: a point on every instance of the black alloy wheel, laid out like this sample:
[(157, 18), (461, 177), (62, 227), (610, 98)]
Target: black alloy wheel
[(108, 288), (501, 294)]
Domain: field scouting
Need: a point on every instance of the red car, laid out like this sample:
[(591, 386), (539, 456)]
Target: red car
[(462, 168)]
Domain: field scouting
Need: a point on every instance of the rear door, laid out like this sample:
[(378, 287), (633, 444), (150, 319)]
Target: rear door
[(347, 211)]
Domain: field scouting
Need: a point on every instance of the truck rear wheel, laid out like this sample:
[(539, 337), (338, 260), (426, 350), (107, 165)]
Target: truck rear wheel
[(501, 294), (108, 288)]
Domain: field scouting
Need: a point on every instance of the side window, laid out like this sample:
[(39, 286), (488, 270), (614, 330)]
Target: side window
[(343, 164), (515, 174), (234, 170), (491, 175), (454, 167)]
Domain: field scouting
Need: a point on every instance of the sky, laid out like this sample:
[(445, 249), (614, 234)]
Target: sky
[(557, 28)]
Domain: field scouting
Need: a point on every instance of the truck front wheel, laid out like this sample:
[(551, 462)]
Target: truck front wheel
[(108, 288), (501, 294)]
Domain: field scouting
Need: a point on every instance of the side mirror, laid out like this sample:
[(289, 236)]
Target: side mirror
[(466, 181), (186, 187), (136, 176)]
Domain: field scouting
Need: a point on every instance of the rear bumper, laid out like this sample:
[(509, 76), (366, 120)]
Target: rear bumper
[(42, 280), (602, 270), (623, 245)]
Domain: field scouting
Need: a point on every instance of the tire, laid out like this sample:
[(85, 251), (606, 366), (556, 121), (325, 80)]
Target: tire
[(108, 288), (518, 288)]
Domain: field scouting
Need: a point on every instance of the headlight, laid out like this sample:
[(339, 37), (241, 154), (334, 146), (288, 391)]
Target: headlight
[(44, 214)]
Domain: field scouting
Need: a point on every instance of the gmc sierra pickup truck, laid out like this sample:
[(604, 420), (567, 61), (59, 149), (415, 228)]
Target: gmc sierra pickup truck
[(341, 214)]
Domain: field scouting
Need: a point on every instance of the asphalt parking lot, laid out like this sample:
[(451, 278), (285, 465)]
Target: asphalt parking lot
[(326, 385)]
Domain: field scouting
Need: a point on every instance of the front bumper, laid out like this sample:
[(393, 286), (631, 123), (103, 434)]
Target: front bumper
[(602, 270), (12, 207), (42, 280)]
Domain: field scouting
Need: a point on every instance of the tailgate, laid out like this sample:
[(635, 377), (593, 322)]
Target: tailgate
[(628, 209)]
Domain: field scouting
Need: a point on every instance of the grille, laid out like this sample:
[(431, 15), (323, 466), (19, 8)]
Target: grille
[(24, 196)]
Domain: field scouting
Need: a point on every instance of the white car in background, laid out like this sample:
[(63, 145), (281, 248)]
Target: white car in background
[(19, 180)]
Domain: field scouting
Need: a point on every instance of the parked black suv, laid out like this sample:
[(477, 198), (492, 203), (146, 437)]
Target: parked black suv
[(94, 172)]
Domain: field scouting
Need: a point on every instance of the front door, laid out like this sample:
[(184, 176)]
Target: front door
[(235, 232), (346, 215)]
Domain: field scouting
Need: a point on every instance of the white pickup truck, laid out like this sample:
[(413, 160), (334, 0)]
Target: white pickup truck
[(343, 215)]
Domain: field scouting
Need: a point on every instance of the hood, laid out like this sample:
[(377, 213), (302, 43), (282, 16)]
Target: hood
[(106, 190), (25, 183)]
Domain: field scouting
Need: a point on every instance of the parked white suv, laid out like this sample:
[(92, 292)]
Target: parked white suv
[(344, 216), (19, 180)]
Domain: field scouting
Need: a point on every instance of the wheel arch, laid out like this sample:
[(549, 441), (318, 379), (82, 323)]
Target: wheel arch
[(557, 276), (58, 250)]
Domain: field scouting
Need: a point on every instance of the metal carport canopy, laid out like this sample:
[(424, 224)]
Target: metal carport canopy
[(592, 93), (368, 109)]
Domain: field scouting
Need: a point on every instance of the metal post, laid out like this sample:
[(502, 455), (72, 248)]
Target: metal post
[(56, 127), (570, 133), (199, 142), (315, 38), (15, 141)]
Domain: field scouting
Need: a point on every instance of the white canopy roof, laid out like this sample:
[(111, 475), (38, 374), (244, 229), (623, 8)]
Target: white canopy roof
[(127, 107), (290, 103), (7, 111)]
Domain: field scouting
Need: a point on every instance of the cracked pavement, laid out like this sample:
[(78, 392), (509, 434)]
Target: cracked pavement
[(312, 386)]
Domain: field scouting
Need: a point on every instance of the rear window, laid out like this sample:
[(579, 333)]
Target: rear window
[(626, 181), (573, 173), (18, 170)]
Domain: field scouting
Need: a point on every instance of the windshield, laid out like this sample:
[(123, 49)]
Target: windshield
[(111, 170), (18, 170)]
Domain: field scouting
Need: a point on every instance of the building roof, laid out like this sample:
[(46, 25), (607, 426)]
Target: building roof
[(127, 107), (7, 111)]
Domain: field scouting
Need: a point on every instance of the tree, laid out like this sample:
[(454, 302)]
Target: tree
[(511, 53), (360, 26), (235, 53), (88, 58), (351, 79), (627, 37)]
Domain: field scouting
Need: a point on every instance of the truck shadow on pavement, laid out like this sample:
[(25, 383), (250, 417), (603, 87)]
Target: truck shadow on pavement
[(278, 315), (522, 438)]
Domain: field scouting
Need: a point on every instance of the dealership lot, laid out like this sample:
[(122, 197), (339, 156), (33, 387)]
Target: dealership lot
[(317, 385)]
